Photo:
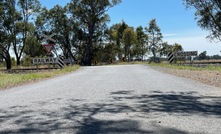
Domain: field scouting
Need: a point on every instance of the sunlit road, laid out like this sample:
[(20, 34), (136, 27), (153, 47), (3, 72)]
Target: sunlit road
[(130, 99)]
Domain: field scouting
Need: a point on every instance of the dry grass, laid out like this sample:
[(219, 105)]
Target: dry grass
[(12, 79), (210, 75)]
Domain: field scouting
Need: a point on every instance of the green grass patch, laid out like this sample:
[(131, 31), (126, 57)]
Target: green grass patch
[(9, 80), (187, 67)]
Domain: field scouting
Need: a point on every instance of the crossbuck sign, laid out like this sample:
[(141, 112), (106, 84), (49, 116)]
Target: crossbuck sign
[(49, 37)]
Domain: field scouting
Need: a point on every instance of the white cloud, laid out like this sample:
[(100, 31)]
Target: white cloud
[(170, 35)]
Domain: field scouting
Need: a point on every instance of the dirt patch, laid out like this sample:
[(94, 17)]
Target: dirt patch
[(212, 78)]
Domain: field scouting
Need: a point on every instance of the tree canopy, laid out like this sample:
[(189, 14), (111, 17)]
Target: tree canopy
[(154, 37), (79, 30), (92, 18), (208, 16)]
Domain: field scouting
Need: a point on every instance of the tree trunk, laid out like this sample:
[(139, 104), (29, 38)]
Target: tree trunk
[(69, 53), (8, 61), (89, 51), (88, 58), (142, 52), (18, 62), (154, 55)]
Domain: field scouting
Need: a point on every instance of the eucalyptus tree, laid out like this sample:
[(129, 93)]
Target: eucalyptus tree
[(154, 37), (92, 17), (129, 40), (116, 37), (142, 43), (106, 48), (24, 27), (41, 22), (65, 30), (8, 18), (45, 25), (208, 15)]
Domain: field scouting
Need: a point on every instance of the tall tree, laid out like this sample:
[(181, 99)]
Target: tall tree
[(92, 17), (116, 35), (142, 43), (24, 27), (8, 18), (208, 14), (45, 25), (120, 32), (154, 37), (129, 39), (64, 27)]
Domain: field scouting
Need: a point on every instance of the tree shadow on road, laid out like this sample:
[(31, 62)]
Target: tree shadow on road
[(175, 102), (83, 117)]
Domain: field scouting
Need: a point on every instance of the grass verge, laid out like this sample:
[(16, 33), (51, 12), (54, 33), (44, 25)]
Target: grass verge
[(9, 80), (185, 67)]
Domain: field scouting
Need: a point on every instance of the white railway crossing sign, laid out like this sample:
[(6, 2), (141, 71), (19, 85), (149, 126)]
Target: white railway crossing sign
[(37, 61), (51, 60), (186, 54), (49, 37), (171, 56)]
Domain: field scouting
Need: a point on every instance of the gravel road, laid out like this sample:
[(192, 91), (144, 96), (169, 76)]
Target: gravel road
[(130, 99)]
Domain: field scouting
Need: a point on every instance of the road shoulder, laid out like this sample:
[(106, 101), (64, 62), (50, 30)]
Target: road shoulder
[(212, 78)]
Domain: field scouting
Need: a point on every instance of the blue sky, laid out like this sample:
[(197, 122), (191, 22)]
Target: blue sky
[(177, 24)]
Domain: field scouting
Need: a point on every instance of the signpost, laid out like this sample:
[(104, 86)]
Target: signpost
[(171, 55), (37, 61), (186, 54), (48, 48), (59, 61)]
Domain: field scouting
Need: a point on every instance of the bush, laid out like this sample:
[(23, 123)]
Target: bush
[(27, 61), (13, 61)]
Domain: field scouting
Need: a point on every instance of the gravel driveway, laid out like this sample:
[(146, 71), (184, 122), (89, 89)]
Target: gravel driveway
[(130, 99)]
